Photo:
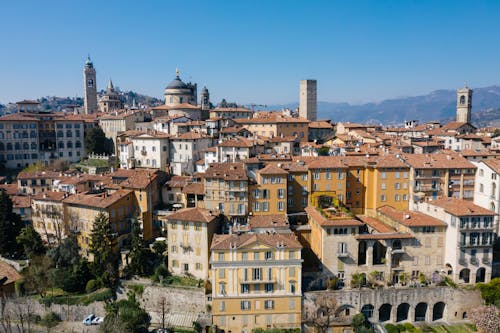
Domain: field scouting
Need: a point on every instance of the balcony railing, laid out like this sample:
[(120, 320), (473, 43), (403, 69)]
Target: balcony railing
[(343, 254), (399, 250)]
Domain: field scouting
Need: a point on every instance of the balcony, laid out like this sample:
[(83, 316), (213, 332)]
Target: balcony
[(427, 176), (461, 244), (143, 152), (486, 261), (256, 281), (399, 250), (474, 261), (343, 254), (423, 188)]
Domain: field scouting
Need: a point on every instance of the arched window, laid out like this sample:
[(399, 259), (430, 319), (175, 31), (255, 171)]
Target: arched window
[(367, 310), (462, 99)]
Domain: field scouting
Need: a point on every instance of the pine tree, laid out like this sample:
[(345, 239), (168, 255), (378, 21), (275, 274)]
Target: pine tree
[(10, 228), (96, 141), (31, 241), (105, 264)]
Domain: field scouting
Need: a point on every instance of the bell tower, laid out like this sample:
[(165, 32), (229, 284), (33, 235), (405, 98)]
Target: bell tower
[(464, 104), (90, 87)]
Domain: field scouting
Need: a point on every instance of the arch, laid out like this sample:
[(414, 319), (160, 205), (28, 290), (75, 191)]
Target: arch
[(465, 275), (449, 269), (438, 311), (344, 310), (362, 247), (420, 311), (464, 315), (480, 274), (367, 310), (384, 312), (402, 312)]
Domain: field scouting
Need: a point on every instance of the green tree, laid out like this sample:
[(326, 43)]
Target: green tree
[(105, 263), (357, 280), (66, 254), (75, 278), (38, 276), (10, 228), (360, 324), (490, 292), (323, 151), (159, 247), (126, 314), (31, 241), (96, 141), (138, 254)]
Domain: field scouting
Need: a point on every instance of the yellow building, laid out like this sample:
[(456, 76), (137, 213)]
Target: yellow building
[(256, 281), (268, 191), (327, 180), (80, 211), (386, 182), (355, 189), (297, 185), (272, 124), (144, 184), (190, 232)]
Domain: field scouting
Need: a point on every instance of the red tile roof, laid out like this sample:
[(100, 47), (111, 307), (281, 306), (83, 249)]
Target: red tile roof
[(410, 218), (226, 242), (460, 207), (195, 214)]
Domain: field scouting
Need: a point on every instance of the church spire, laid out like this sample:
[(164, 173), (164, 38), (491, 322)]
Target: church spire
[(110, 85), (177, 72)]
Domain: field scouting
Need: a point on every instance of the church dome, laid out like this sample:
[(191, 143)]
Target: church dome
[(177, 84)]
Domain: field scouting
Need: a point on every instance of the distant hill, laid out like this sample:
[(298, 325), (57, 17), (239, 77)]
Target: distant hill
[(437, 105)]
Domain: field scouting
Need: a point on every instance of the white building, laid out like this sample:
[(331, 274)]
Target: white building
[(185, 150), (469, 237), (487, 187), (151, 150)]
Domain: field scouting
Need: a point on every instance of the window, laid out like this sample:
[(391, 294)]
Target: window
[(269, 255), (244, 256), (328, 175), (221, 256), (245, 288), (222, 304), (256, 256), (268, 304), (245, 305), (256, 274), (174, 248), (291, 255), (291, 271), (397, 186), (343, 247), (222, 273), (383, 175), (383, 197), (281, 193), (383, 186), (198, 266), (316, 175), (281, 206), (269, 287)]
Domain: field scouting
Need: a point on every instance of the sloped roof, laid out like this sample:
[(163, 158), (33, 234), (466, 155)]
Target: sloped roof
[(226, 242), (195, 214)]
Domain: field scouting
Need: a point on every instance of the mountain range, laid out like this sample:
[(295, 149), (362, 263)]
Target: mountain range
[(437, 105)]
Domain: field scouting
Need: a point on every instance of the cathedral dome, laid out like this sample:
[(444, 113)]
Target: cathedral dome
[(177, 84)]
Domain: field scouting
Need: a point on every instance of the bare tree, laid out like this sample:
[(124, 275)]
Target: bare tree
[(321, 312), (51, 213), (164, 307)]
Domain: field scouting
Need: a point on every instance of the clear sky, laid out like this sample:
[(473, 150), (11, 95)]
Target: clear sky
[(250, 51)]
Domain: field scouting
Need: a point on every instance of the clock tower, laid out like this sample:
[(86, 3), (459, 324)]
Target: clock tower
[(464, 104), (90, 87)]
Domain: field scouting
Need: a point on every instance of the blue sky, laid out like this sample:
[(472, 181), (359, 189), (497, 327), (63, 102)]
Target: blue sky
[(250, 51)]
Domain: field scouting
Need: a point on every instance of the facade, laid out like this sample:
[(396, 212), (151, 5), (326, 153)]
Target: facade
[(256, 282), (308, 99), (48, 216), (268, 191), (231, 113), (90, 88), (487, 187), (27, 138), (190, 232), (272, 124), (226, 190), (469, 237), (185, 150), (150, 150), (80, 211)]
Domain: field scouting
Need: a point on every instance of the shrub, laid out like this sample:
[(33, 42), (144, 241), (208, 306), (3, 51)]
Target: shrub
[(91, 286), (137, 288), (391, 328), (401, 327), (332, 284), (409, 327), (161, 272), (50, 319), (20, 287)]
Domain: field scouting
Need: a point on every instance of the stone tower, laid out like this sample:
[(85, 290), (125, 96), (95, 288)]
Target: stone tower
[(464, 104), (308, 102), (205, 99), (89, 81)]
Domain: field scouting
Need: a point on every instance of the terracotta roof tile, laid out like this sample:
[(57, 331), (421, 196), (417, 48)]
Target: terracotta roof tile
[(460, 207), (195, 214), (269, 221), (271, 169), (410, 218), (102, 200), (443, 160), (226, 171), (226, 242), (8, 274)]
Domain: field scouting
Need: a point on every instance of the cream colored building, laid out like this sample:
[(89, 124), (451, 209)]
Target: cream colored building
[(190, 232)]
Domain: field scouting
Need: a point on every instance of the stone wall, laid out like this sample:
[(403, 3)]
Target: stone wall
[(177, 300), (405, 304)]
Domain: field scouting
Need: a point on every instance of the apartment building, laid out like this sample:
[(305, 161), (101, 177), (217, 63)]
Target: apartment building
[(272, 124), (268, 191), (256, 281), (185, 150), (80, 211), (37, 181), (190, 232), (326, 180), (231, 113), (48, 216), (487, 187), (150, 150), (469, 237), (226, 190), (439, 175), (27, 138)]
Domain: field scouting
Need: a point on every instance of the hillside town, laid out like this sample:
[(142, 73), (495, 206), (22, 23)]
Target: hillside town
[(243, 220)]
